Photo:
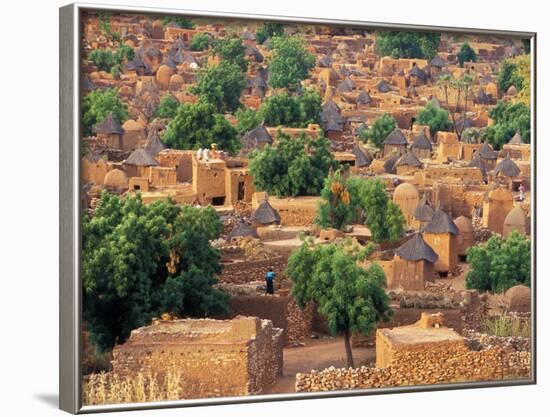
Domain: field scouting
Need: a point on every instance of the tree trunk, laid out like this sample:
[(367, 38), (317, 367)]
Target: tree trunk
[(349, 353)]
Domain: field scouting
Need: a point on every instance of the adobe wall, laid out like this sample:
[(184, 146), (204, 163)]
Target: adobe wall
[(283, 312), (446, 247), (299, 211), (238, 357), (410, 275), (444, 363), (242, 272), (458, 199)]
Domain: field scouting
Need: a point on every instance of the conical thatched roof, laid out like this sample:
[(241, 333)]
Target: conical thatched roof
[(437, 62), (507, 168), (258, 135), (362, 159), (109, 126), (154, 145), (242, 230), (389, 165), (441, 223), (417, 72), (409, 159), (416, 249), (478, 163), (363, 98), (396, 137), (266, 214), (421, 142), (383, 86), (436, 104), (516, 139), (487, 152), (141, 158), (325, 62), (423, 212)]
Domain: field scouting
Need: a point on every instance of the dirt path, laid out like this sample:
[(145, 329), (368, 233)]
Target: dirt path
[(318, 354)]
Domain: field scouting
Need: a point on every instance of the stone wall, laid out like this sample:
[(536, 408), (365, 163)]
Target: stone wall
[(424, 366), (281, 311), (244, 271), (215, 357)]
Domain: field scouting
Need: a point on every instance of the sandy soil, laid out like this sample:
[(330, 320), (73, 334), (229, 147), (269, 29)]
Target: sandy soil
[(317, 354)]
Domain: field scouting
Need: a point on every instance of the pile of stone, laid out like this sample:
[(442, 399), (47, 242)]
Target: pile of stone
[(480, 341)]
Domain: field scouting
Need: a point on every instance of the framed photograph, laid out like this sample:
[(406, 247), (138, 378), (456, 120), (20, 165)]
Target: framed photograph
[(259, 208)]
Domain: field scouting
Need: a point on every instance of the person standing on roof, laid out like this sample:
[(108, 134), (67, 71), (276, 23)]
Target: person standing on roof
[(269, 277)]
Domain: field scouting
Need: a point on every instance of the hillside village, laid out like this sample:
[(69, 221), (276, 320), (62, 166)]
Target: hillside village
[(215, 152)]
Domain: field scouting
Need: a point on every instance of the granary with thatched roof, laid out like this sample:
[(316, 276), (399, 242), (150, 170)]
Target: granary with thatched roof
[(265, 215), (395, 142), (256, 139), (109, 131), (487, 155), (466, 237), (407, 164), (242, 230), (423, 213), (154, 144), (507, 172), (441, 234), (362, 158), (333, 122), (138, 163), (497, 204), (413, 265), (422, 146)]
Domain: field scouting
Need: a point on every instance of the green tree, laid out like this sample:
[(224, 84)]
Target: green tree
[(124, 53), (221, 85), (290, 62), (466, 54), (230, 50), (500, 263), (509, 76), (400, 44), (437, 119), (508, 118), (355, 199), (294, 166), (310, 104), (168, 107), (141, 260), (351, 297), (199, 42), (103, 59), (379, 131), (180, 21), (268, 30), (247, 120), (198, 125), (281, 110), (98, 104)]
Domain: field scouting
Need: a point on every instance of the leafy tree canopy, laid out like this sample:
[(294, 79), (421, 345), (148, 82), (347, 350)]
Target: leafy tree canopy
[(516, 72), (268, 30), (199, 42), (466, 54), (508, 118), (500, 264), (230, 50), (247, 120), (290, 62), (142, 260), (97, 104), (294, 166), (379, 131), (292, 111), (198, 125), (400, 44), (221, 85), (180, 21), (351, 297), (168, 107), (105, 59), (437, 119)]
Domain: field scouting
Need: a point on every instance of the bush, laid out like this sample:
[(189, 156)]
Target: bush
[(466, 54), (199, 42), (379, 131), (437, 119), (401, 44), (292, 111), (294, 166), (268, 30), (505, 325), (98, 104), (508, 117), (499, 264)]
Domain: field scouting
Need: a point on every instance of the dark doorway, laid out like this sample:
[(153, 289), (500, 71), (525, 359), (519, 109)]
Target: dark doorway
[(218, 201), (240, 191)]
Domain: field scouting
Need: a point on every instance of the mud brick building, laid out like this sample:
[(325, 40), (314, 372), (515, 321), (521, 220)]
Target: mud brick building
[(216, 358)]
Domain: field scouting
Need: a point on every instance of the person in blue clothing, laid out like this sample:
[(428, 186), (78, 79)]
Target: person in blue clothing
[(269, 277)]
